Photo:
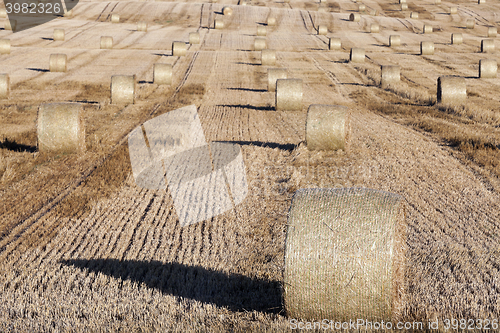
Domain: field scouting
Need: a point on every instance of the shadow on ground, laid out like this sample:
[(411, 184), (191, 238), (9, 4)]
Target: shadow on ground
[(273, 145), (17, 147)]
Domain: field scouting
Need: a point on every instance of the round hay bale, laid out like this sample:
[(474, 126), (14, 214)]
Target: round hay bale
[(228, 11), (289, 94), (10, 25), (115, 18), (58, 62), (334, 43), (261, 30), (481, 1), (427, 48), (322, 30), (361, 7), (374, 28), (457, 38), (162, 74), (428, 29), (58, 35), (437, 2), (402, 1), (274, 74), (123, 89), (404, 6), (61, 128), (194, 38), (179, 49), (390, 76), (106, 42), (354, 17), (451, 90), (142, 26), (470, 23), (453, 10), (271, 21), (488, 68), (414, 15), (327, 127), (394, 40), (487, 45), (3, 13), (336, 238), (4, 46), (268, 57), (68, 13), (357, 55), (260, 44), (218, 24), (492, 31), (4, 86)]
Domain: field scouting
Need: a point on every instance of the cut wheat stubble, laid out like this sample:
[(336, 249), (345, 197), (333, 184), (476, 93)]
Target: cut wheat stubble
[(179, 49), (327, 127), (451, 90), (274, 74), (58, 62), (488, 68), (289, 94), (4, 86), (123, 89), (106, 42)]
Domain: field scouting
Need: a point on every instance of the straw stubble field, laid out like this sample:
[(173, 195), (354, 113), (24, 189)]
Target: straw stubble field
[(83, 248)]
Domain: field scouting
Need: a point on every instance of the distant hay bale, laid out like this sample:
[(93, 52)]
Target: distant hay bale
[(162, 74), (58, 35), (390, 76), (106, 42), (428, 29), (404, 6), (10, 25), (488, 68), (487, 45), (357, 55), (345, 255), (457, 38), (4, 46), (194, 38), (179, 49), (322, 30), (394, 40), (58, 62), (123, 89), (271, 21), (374, 28), (354, 17), (481, 1), (228, 11), (427, 48), (218, 24), (261, 30), (260, 44), (361, 8), (414, 15), (327, 127), (470, 23), (289, 94), (451, 90), (492, 31), (115, 18), (453, 10), (61, 128), (3, 13), (334, 43), (402, 1), (437, 2), (4, 86), (142, 26), (268, 57), (274, 74)]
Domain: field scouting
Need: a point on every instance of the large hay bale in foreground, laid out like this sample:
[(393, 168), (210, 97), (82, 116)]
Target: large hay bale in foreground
[(106, 42), (427, 48), (354, 17), (259, 44), (261, 30), (390, 76), (58, 35), (488, 68), (162, 74), (357, 55), (4, 46), (60, 128), (58, 62), (274, 74), (218, 24), (451, 90), (345, 255), (228, 11), (115, 18), (4, 86), (457, 38), (487, 45), (492, 31), (322, 30), (123, 89), (271, 21), (289, 94), (142, 26), (268, 57), (374, 28), (470, 23), (179, 49), (334, 43), (327, 127), (194, 38), (394, 40), (428, 29)]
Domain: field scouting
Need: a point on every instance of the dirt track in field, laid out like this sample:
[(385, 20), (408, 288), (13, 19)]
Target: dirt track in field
[(83, 248)]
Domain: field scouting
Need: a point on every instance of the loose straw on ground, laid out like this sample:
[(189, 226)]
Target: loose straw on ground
[(274, 74), (451, 90), (162, 74), (123, 89), (288, 94), (488, 68), (327, 127), (58, 62)]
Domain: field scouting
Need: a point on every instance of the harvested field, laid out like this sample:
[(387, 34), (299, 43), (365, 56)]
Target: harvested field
[(83, 248)]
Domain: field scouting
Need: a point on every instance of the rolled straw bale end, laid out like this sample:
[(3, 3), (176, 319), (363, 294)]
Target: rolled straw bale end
[(374, 28), (142, 26), (162, 74), (3, 13), (58, 35), (260, 44), (115, 18), (228, 11), (322, 30), (488, 68), (487, 45), (274, 74), (361, 8), (357, 55), (106, 42), (316, 272), (194, 38), (470, 23), (414, 15), (60, 128), (404, 6), (354, 17), (390, 76), (123, 89), (492, 31), (453, 10), (218, 24), (451, 90), (268, 57), (4, 46), (334, 43), (271, 21), (428, 29), (58, 62), (481, 1), (457, 38), (289, 94), (179, 49), (394, 40), (327, 127), (427, 48), (261, 30), (4, 86)]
